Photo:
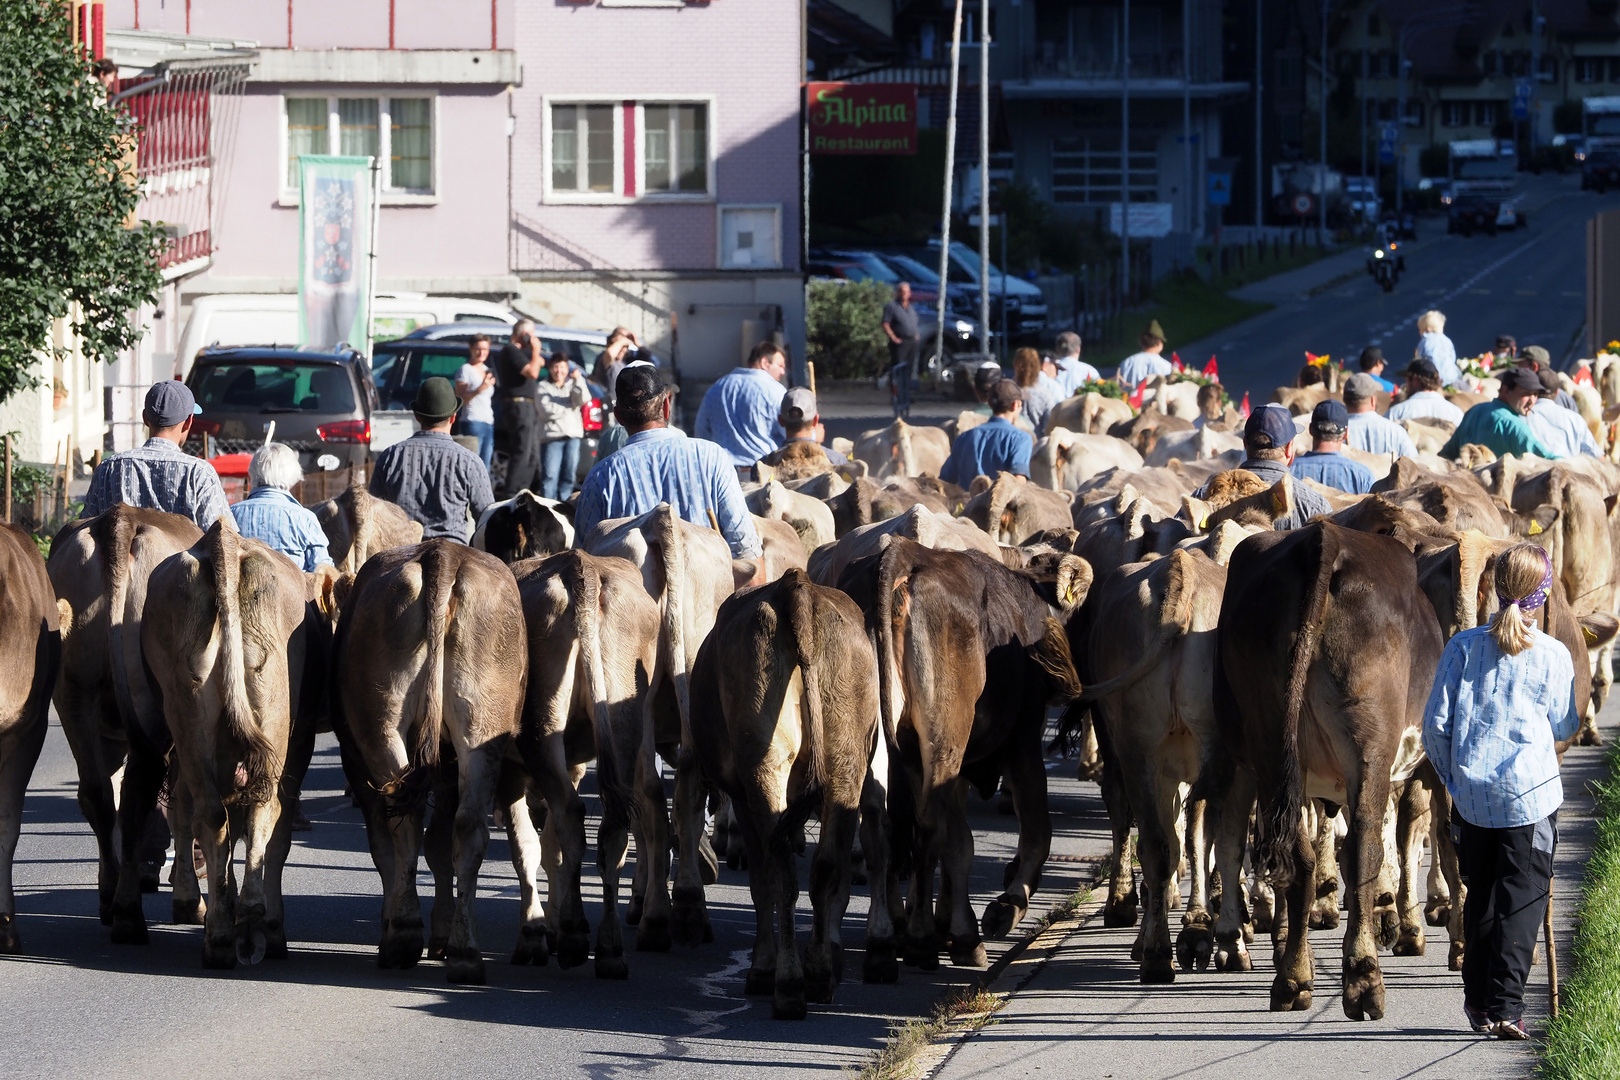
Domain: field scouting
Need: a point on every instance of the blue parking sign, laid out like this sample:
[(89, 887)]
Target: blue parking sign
[(1386, 144), (1521, 99), (1220, 189)]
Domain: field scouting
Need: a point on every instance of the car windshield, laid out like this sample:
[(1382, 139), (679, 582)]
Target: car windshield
[(914, 271), (274, 386), (444, 360)]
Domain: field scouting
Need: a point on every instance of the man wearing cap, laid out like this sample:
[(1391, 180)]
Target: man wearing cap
[(433, 478), (1268, 440), (995, 446), (1500, 425), (1506, 350), (1372, 362), (1370, 432), (1562, 431), (1423, 397), (802, 424), (1149, 361), (1326, 463), (1537, 360), (158, 475), (1072, 372), (659, 464), (739, 412)]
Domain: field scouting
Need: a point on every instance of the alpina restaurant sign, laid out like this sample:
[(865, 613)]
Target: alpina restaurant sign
[(862, 118)]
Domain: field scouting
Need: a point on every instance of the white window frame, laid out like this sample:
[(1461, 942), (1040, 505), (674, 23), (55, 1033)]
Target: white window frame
[(390, 195), (720, 234), (617, 196)]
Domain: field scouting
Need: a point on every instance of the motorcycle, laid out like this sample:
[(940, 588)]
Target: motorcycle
[(1386, 264)]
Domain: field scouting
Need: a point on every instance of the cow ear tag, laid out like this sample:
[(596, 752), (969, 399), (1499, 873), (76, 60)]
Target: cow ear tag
[(1535, 528)]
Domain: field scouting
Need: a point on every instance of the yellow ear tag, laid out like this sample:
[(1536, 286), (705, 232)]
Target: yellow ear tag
[(1203, 523), (1535, 528)]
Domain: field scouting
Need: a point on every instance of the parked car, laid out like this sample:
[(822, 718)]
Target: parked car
[(856, 265), (1469, 213), (320, 402), (1026, 304), (1601, 169)]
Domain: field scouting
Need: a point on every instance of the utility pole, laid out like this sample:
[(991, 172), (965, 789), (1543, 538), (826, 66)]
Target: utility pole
[(1259, 124), (1186, 108), (1362, 94), (1321, 174), (1535, 67), (1125, 154), (984, 175), (950, 166)]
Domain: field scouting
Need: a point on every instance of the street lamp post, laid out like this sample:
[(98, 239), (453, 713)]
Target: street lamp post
[(1125, 154), (1321, 175)]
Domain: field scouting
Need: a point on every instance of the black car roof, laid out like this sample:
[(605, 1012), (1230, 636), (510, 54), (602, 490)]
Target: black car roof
[(287, 353)]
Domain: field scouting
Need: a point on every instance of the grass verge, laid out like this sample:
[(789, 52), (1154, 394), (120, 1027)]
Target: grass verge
[(1189, 309), (1584, 1041), (966, 1008)]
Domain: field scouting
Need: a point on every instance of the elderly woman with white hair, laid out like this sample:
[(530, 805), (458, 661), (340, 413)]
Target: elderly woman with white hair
[(271, 514), (1436, 348)]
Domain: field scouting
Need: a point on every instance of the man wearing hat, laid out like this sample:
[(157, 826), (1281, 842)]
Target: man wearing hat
[(433, 478), (1537, 360), (1423, 397), (1369, 432), (802, 424), (1372, 362), (1268, 440), (1500, 425), (739, 411), (158, 475), (1562, 431), (1325, 463), (995, 446), (659, 464), (1149, 361)]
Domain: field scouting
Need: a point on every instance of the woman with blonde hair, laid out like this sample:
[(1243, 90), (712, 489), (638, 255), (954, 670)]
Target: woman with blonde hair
[(1503, 695), (1436, 348)]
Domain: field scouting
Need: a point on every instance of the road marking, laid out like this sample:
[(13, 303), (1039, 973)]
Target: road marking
[(1469, 284), (1529, 292)]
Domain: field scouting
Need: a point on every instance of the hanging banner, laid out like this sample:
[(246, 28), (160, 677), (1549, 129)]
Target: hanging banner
[(861, 118), (335, 243)]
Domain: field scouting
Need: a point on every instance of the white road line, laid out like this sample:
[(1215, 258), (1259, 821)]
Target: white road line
[(1488, 269)]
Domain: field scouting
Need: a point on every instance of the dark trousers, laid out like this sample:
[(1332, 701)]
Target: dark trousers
[(902, 362), (522, 419), (1508, 873)]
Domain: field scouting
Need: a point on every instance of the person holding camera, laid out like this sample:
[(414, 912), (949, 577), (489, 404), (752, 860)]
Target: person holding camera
[(560, 397), (517, 374)]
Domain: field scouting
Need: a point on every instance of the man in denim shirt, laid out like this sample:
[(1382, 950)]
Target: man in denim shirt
[(270, 513), (994, 446), (1326, 463), (159, 475), (739, 412)]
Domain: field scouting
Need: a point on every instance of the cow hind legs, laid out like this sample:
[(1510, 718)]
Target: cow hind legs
[(1195, 945)]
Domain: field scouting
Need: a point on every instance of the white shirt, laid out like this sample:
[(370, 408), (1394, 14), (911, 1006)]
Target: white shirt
[(480, 409), (1142, 365), (1072, 372), (1562, 432), (1426, 404), (1372, 434)]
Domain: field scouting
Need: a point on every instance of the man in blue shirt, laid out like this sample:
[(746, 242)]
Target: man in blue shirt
[(159, 475), (1149, 361), (1072, 372), (1369, 432), (659, 464), (740, 411), (270, 513), (995, 446), (1500, 425), (1372, 362), (1326, 463)]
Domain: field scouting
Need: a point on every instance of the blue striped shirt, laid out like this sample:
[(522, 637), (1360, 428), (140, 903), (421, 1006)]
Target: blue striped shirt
[(1372, 434), (1490, 724), (158, 476), (661, 465), (273, 516), (740, 412)]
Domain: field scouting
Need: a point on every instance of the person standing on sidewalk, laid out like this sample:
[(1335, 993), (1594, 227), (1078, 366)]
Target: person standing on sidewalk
[(475, 386), (1502, 696), (561, 396), (518, 376), (900, 325)]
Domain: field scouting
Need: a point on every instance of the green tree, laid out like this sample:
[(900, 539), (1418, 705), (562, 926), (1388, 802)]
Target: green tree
[(844, 325), (65, 194)]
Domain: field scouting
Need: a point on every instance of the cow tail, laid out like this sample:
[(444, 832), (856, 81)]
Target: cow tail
[(438, 581), (1282, 826), (888, 674), (1001, 493), (666, 530), (908, 459), (258, 756), (584, 586), (363, 524), (801, 605), (114, 532), (1175, 621)]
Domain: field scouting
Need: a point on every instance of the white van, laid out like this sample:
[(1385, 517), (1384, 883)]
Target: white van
[(272, 319)]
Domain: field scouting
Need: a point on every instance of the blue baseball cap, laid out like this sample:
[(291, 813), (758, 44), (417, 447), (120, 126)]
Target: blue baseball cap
[(1330, 418), (1269, 427), (169, 403)]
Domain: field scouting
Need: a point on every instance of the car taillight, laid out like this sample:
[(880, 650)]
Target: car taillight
[(345, 431), (591, 411), (205, 427)]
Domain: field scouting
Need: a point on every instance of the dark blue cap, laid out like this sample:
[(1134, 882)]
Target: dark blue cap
[(1269, 427), (169, 402), (1330, 417)]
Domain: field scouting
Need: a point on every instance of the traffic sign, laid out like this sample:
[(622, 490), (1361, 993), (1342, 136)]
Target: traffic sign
[(1220, 189), (1303, 204), (1522, 90), (1386, 144)]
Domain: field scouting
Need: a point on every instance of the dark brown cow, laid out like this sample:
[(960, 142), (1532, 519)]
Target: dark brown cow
[(969, 657), (786, 723), (111, 716), (30, 654), (358, 525), (865, 501), (1328, 650), (431, 660)]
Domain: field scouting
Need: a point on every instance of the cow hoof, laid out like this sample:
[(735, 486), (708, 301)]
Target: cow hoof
[(759, 983), (1121, 914), (532, 947), (1437, 913), (1454, 957), (708, 862), (189, 912), (969, 954), (882, 963), (1410, 942), (573, 949), (401, 945), (1194, 946), (219, 954), (1363, 990), (436, 947), (1157, 968), (128, 925), (1289, 996), (689, 925), (1248, 933), (464, 966), (251, 943), (10, 940), (612, 965), (1325, 917), (275, 941), (823, 972), (148, 875), (1588, 736), (788, 1002), (1000, 916), (633, 910), (921, 953), (1230, 956), (1389, 929), (652, 935)]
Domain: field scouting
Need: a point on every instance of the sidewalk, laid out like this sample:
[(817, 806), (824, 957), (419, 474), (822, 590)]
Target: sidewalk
[(1307, 281), (1085, 1014)]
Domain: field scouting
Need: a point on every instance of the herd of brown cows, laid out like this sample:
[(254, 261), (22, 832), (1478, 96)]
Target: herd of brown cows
[(1241, 693)]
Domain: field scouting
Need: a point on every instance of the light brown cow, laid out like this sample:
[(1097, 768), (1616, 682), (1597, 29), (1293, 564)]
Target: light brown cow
[(111, 717), (811, 518), (431, 661), (785, 691), (358, 525), (1089, 413), (30, 655), (228, 647), (1012, 509), (1456, 500), (865, 501), (903, 449), (1198, 445), (938, 531), (783, 549), (1064, 460)]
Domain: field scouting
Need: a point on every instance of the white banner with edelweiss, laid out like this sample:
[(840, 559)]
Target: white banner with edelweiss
[(337, 226)]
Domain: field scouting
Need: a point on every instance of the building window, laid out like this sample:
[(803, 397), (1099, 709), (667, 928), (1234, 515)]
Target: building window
[(1086, 170), (1589, 69), (606, 151), (1485, 113), (1374, 26), (1454, 113), (1490, 63), (397, 131)]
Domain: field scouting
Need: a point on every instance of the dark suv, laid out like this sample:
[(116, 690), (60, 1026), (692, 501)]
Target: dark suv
[(320, 402)]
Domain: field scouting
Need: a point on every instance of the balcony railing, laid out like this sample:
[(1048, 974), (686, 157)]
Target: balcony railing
[(1164, 64)]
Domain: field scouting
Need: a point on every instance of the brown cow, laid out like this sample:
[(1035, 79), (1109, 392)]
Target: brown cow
[(111, 717), (929, 529), (30, 655), (431, 654), (969, 657), (1305, 713), (1089, 413), (786, 724), (865, 502), (228, 649), (903, 449), (1456, 500), (358, 525), (1012, 509)]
